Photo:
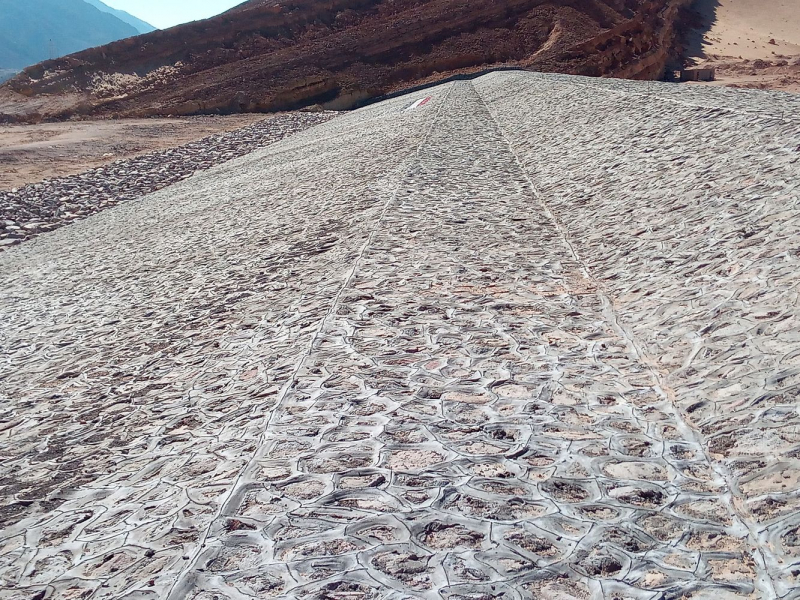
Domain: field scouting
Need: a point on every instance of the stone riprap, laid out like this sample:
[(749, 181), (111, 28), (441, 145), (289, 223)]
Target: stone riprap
[(535, 338), (52, 203)]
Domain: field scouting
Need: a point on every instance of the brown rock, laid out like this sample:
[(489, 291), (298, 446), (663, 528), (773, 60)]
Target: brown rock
[(261, 56)]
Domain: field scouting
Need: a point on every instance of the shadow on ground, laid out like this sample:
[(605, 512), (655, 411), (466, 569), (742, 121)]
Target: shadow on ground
[(703, 15)]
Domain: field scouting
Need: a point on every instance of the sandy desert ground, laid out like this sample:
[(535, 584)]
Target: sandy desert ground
[(30, 153), (751, 43)]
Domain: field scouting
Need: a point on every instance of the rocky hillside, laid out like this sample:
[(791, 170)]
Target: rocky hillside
[(35, 30), (267, 55)]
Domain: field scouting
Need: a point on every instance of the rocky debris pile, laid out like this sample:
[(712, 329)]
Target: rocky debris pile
[(52, 203)]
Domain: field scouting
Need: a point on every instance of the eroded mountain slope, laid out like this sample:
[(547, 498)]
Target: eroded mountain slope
[(268, 55)]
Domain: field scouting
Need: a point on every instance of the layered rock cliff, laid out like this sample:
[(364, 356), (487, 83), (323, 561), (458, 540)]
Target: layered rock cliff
[(268, 55)]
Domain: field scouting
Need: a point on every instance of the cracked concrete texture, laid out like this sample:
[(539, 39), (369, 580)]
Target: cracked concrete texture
[(534, 339)]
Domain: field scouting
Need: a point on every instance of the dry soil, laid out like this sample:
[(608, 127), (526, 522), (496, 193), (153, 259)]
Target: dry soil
[(751, 43), (31, 153)]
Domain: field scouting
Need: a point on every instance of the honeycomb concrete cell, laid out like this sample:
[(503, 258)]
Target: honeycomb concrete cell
[(535, 338)]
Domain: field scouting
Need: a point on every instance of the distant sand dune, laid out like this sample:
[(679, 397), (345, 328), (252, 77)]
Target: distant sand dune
[(752, 43), (744, 28)]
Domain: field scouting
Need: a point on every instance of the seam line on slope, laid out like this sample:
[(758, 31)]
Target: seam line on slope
[(201, 545), (661, 387)]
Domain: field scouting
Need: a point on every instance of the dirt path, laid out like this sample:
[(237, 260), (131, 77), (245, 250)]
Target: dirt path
[(31, 153)]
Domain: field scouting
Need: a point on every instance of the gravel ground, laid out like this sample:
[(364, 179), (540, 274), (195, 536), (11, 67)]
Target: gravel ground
[(36, 208), (32, 153), (536, 338)]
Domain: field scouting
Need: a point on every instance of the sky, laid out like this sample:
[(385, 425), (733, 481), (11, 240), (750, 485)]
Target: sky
[(166, 13)]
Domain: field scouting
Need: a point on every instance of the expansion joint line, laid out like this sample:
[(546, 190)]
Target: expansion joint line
[(176, 592), (661, 386)]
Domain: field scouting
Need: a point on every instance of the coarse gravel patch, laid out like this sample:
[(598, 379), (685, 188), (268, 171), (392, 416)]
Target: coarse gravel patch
[(36, 208)]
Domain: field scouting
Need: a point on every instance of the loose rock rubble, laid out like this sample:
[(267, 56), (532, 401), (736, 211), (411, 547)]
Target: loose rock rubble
[(52, 203), (534, 339)]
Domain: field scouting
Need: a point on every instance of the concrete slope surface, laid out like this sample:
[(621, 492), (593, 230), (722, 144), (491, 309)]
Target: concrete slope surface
[(535, 337)]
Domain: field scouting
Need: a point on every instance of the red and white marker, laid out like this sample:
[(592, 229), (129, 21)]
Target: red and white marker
[(420, 102)]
